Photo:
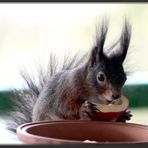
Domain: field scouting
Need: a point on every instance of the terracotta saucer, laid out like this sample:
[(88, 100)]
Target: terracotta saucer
[(69, 132)]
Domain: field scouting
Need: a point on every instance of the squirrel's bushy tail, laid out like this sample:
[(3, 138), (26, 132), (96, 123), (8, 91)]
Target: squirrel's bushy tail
[(24, 100)]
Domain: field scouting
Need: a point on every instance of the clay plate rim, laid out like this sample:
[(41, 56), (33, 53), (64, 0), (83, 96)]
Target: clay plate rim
[(21, 131)]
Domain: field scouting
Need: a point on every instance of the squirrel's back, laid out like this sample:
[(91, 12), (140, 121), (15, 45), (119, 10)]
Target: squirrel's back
[(24, 100)]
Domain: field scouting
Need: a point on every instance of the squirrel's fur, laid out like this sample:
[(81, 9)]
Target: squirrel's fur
[(67, 93)]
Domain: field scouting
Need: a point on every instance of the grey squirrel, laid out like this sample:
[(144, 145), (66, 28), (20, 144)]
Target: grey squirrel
[(67, 94)]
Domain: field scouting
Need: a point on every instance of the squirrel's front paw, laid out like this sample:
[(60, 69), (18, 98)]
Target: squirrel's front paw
[(125, 116), (87, 111)]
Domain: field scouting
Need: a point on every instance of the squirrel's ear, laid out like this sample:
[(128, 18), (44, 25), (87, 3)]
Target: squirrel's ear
[(97, 54), (125, 40)]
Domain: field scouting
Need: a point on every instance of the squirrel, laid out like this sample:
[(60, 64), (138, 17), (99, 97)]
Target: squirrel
[(68, 93)]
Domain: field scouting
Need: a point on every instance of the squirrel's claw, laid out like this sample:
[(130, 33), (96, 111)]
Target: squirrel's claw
[(87, 111), (125, 116)]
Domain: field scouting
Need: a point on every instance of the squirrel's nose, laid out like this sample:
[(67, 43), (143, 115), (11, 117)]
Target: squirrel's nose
[(115, 96)]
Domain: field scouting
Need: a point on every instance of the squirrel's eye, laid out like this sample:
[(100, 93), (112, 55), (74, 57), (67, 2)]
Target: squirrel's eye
[(101, 77)]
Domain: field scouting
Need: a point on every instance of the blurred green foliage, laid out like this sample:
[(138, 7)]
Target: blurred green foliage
[(5, 102), (137, 94)]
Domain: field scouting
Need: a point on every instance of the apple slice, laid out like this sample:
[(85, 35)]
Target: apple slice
[(112, 111)]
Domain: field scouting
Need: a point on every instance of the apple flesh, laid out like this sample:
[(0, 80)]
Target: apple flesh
[(112, 111)]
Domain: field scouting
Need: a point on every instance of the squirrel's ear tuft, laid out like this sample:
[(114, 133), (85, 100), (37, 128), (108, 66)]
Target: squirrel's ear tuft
[(97, 52), (125, 40)]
